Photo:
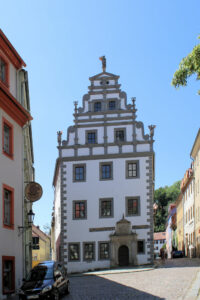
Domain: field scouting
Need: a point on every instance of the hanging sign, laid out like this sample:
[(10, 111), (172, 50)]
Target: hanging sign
[(33, 191)]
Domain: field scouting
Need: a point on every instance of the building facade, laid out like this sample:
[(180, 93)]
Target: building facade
[(187, 190), (13, 119), (195, 155), (104, 183), (41, 245), (180, 222), (159, 241), (171, 230)]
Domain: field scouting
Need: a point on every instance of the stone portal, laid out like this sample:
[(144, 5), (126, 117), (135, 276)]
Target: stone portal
[(123, 245)]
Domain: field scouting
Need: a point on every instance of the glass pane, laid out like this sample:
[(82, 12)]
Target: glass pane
[(112, 105), (74, 252), (97, 106), (7, 207), (106, 208), (6, 145), (104, 250), (2, 70), (132, 169), (120, 135), (79, 210), (132, 206), (89, 251), (106, 171), (79, 173), (91, 138), (7, 275)]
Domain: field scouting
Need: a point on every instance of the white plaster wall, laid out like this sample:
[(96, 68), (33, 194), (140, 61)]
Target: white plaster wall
[(96, 82), (116, 95), (11, 174), (57, 208), (71, 138), (142, 235), (189, 227), (100, 135), (97, 117), (13, 80), (113, 149), (96, 97), (123, 106), (67, 152), (81, 136), (126, 115), (143, 147), (86, 106), (83, 151), (98, 151), (139, 136), (82, 117), (110, 134), (94, 189), (112, 116), (127, 148)]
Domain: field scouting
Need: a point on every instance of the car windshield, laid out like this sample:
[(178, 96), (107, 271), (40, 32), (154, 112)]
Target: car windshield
[(40, 273)]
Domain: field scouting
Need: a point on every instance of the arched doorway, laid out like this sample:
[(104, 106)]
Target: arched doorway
[(123, 256)]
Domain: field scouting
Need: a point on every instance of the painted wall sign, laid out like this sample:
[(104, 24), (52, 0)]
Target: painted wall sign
[(33, 191)]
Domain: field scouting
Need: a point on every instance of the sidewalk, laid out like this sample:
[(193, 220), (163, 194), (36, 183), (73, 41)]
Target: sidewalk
[(193, 293), (114, 271)]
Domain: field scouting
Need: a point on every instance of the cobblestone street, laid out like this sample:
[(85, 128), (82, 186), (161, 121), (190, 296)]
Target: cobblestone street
[(170, 280)]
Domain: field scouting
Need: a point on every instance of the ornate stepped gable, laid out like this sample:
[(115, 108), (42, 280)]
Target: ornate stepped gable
[(105, 105)]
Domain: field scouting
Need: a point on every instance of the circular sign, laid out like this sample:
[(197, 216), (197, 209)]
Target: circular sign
[(33, 191)]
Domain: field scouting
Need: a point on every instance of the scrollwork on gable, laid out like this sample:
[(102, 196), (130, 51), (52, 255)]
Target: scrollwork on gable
[(85, 98), (141, 125), (71, 129)]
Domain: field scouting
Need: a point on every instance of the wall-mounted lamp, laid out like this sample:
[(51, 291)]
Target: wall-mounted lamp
[(31, 216)]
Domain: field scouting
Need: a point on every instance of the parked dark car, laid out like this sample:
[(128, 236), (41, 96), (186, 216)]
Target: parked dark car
[(177, 254), (47, 280)]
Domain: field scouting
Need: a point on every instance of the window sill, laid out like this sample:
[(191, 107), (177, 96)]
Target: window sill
[(11, 227), (8, 292), (11, 156)]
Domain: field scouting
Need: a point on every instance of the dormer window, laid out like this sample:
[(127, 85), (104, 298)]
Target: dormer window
[(97, 106), (91, 137), (120, 135), (2, 70), (112, 105)]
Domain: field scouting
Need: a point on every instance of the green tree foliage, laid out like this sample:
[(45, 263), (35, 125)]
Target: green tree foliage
[(189, 65), (163, 197)]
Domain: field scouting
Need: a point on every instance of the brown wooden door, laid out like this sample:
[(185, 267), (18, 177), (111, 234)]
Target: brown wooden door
[(123, 256)]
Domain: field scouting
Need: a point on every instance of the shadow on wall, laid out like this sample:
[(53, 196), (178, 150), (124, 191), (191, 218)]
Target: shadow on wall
[(98, 288)]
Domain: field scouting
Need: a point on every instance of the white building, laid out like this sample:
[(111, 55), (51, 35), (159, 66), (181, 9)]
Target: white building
[(159, 241), (104, 182), (13, 117), (188, 191)]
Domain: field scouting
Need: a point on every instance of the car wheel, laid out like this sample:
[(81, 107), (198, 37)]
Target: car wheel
[(56, 295), (67, 289)]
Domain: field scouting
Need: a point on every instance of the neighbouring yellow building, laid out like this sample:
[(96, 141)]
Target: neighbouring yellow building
[(41, 246), (195, 154), (179, 220)]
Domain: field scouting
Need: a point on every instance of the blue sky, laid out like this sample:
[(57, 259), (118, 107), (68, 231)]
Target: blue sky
[(143, 41)]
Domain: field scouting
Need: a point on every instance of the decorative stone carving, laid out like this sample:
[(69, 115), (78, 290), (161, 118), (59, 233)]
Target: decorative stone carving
[(123, 236)]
